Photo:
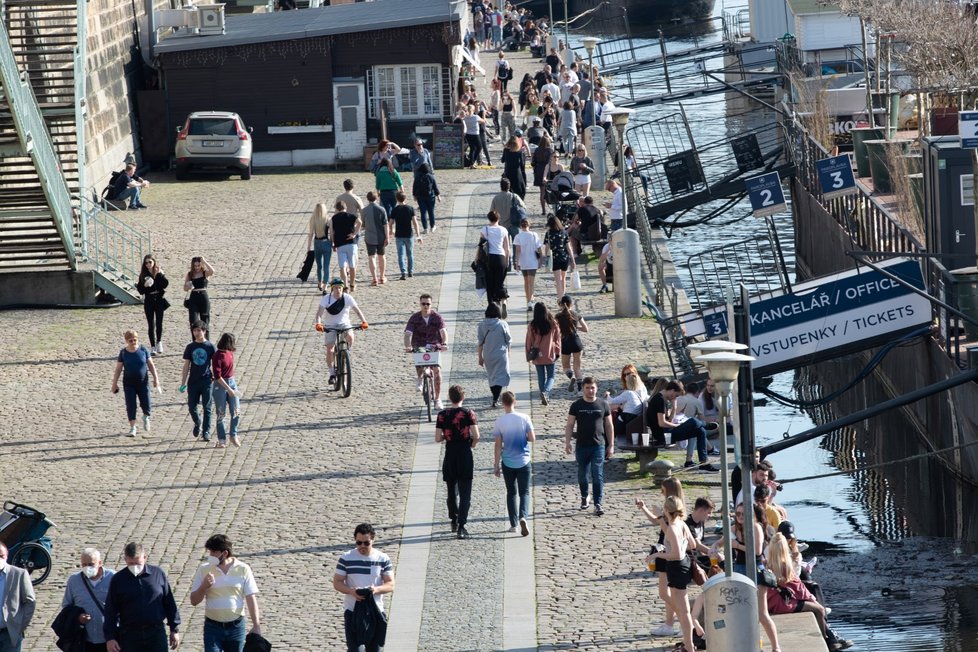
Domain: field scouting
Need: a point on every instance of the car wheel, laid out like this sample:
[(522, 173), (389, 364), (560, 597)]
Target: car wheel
[(181, 172), (246, 173)]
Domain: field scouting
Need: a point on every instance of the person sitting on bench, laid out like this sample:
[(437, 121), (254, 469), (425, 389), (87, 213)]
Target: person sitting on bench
[(659, 422)]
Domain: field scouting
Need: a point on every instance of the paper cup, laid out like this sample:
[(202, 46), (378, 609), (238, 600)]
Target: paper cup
[(635, 439), (645, 439)]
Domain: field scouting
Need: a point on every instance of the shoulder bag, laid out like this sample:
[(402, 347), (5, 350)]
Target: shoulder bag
[(186, 301)]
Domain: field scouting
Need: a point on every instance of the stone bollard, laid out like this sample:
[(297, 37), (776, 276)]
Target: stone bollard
[(661, 470)]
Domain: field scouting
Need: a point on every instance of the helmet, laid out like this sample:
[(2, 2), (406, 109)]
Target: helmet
[(518, 133), (337, 281)]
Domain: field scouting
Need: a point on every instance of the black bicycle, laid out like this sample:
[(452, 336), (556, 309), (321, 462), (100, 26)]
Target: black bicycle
[(343, 380), (427, 358)]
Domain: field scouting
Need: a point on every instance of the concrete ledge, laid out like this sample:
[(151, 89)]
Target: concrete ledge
[(47, 288), (294, 158), (799, 633)]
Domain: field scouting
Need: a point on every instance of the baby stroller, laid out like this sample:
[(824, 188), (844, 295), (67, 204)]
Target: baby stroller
[(22, 530), (562, 197)]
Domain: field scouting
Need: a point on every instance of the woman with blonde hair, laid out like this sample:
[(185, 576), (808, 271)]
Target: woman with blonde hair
[(135, 364), (670, 487), (631, 401), (318, 242)]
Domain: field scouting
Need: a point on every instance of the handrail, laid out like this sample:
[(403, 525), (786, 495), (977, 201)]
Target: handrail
[(113, 246), (37, 144)]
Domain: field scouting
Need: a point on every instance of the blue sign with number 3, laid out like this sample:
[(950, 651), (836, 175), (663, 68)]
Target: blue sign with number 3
[(835, 176)]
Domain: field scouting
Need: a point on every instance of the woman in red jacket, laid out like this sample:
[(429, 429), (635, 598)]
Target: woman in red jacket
[(543, 348), (226, 393)]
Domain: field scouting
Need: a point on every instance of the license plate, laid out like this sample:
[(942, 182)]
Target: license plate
[(213, 143)]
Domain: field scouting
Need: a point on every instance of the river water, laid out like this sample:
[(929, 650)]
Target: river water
[(891, 589)]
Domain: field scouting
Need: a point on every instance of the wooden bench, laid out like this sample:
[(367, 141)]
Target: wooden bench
[(645, 454)]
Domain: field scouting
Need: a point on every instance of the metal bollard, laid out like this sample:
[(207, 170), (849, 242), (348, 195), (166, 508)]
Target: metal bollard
[(730, 614), (628, 272)]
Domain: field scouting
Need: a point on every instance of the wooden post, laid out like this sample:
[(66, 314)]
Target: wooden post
[(665, 61)]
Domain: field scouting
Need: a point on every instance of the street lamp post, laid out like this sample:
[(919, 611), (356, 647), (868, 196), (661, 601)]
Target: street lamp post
[(619, 117), (590, 42)]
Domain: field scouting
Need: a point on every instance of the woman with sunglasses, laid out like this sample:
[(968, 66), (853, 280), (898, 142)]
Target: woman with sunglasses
[(152, 285), (581, 166), (135, 364)]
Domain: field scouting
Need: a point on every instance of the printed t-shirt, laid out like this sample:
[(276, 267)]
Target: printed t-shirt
[(590, 421), (200, 356)]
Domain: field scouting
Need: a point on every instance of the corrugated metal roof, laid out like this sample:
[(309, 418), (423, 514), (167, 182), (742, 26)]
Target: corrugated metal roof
[(243, 29), (806, 7)]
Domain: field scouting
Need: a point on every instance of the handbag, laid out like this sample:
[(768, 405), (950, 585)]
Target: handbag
[(532, 353), (575, 280), (699, 575), (186, 302), (517, 212), (164, 303)]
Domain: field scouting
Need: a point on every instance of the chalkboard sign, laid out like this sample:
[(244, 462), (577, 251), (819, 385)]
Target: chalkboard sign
[(682, 172), (447, 146), (747, 152)]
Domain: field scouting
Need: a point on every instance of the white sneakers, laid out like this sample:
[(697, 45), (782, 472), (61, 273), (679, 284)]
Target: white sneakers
[(438, 404), (132, 431), (159, 347), (420, 382), (146, 423), (664, 629)]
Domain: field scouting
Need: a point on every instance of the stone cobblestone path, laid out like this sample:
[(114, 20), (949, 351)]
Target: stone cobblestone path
[(313, 465)]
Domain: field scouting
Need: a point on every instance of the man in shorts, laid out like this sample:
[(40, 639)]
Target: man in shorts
[(364, 573), (426, 329), (345, 229), (375, 234), (529, 250), (334, 313)]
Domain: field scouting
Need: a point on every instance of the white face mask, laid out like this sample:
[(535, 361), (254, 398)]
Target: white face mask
[(213, 561), (135, 569), (90, 571)]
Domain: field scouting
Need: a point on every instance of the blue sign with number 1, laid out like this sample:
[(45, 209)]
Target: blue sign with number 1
[(835, 176), (766, 195)]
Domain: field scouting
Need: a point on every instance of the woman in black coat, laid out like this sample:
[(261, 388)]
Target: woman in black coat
[(540, 161), (514, 167)]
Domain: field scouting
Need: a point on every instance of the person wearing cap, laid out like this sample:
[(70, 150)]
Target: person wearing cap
[(802, 569), (420, 156), (334, 313), (536, 132)]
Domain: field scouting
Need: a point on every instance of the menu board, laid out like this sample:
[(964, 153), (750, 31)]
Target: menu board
[(447, 148), (747, 152)]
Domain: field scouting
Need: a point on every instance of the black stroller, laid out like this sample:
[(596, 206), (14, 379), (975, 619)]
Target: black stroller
[(23, 530), (562, 197)]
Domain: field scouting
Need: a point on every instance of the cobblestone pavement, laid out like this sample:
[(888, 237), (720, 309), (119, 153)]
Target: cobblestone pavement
[(312, 465)]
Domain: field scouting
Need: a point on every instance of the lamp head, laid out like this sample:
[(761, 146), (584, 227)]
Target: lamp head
[(619, 117), (715, 346), (590, 43), (724, 366)]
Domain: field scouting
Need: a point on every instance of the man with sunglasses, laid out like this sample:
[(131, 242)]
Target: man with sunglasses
[(426, 330), (420, 155), (364, 572)]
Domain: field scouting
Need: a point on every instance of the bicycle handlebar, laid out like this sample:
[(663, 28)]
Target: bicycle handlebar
[(330, 329)]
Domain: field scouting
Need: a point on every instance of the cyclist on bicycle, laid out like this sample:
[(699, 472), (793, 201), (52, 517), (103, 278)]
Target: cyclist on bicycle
[(334, 312), (426, 330)]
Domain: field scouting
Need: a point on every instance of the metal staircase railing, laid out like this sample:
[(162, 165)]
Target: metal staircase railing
[(36, 142), (114, 249)]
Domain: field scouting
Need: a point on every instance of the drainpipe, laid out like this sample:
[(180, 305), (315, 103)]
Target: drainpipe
[(151, 28)]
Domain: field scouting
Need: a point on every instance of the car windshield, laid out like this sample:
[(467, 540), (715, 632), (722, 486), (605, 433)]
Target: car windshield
[(213, 127)]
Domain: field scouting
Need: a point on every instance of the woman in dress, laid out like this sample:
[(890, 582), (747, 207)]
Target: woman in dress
[(493, 350), (497, 262), (558, 249), (514, 167), (318, 242), (571, 325), (195, 283), (456, 426), (226, 394), (135, 364), (543, 338), (581, 166), (152, 285), (541, 159)]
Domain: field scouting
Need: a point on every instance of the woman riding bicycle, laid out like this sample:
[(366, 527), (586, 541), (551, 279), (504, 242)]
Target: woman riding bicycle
[(334, 313)]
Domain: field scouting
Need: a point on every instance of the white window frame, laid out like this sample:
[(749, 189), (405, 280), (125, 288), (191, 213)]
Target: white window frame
[(395, 105)]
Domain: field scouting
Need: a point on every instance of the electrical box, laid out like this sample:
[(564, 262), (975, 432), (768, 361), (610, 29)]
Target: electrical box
[(949, 215)]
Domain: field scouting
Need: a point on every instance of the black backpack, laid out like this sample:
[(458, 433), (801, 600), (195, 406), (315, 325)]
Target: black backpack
[(107, 191)]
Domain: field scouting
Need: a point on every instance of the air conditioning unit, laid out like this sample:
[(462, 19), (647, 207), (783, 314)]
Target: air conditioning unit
[(210, 19), (182, 21)]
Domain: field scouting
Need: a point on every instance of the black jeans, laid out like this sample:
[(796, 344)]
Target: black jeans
[(459, 499), (153, 307), (152, 639)]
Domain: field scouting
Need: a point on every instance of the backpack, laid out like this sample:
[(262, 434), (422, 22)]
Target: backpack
[(107, 190)]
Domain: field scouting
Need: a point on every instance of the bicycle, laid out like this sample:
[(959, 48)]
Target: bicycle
[(424, 357), (343, 380)]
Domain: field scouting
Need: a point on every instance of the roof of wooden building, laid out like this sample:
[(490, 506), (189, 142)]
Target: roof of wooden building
[(244, 29)]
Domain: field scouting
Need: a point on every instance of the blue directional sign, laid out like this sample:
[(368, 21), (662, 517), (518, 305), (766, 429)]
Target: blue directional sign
[(835, 176), (766, 195), (968, 129)]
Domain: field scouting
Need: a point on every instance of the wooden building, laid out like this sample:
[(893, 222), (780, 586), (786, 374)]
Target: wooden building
[(312, 83)]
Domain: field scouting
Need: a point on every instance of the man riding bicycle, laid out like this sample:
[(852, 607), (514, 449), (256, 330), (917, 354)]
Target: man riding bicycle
[(426, 330), (334, 313)]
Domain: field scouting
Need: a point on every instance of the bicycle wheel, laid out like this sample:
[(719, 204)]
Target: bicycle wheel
[(428, 393), (344, 375), (35, 559)]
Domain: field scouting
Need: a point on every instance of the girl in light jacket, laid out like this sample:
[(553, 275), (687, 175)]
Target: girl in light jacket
[(543, 334)]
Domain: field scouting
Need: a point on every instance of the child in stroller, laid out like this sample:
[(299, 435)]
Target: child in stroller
[(562, 197)]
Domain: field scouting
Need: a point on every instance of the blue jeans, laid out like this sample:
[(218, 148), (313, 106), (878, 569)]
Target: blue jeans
[(388, 200), (230, 638), (545, 377), (592, 456), (132, 391), (512, 478), (224, 400), (692, 429), (5, 645), (426, 205), (323, 252), (132, 194), (199, 392), (405, 247)]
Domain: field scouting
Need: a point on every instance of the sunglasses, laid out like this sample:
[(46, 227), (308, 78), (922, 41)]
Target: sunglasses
[(425, 304), (363, 543)]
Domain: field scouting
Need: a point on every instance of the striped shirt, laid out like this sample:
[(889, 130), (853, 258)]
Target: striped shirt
[(360, 571), (225, 600)]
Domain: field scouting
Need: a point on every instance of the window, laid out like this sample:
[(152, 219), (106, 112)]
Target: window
[(409, 91)]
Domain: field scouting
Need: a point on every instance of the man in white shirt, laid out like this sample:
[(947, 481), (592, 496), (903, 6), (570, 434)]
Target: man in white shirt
[(615, 205), (528, 252), (226, 586), (364, 572)]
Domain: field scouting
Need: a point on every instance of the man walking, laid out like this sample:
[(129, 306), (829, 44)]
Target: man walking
[(226, 586), (363, 575), (457, 427), (16, 604), (196, 379), (345, 228), (513, 432), (420, 155), (595, 440), (502, 203), (375, 233), (88, 590), (139, 600)]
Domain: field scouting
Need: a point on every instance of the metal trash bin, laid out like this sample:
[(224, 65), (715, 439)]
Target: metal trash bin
[(627, 250), (967, 295), (730, 614)]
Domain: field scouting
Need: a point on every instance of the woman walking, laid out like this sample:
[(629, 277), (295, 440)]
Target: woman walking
[(513, 433), (581, 166), (568, 127), (426, 193), (493, 350), (226, 394), (497, 247), (571, 346), (507, 120), (318, 242), (388, 182), (456, 426), (135, 364), (543, 348), (669, 487), (470, 127), (195, 284), (540, 159), (514, 167), (152, 285), (558, 249)]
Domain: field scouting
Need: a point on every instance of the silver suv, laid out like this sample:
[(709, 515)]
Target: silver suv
[(213, 140)]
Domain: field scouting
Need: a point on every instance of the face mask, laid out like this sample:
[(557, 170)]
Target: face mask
[(90, 571), (3, 563), (135, 569), (213, 561)]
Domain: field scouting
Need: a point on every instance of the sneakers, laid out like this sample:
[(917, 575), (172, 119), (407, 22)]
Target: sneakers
[(403, 277), (598, 510), (433, 228), (196, 431), (503, 310), (530, 305), (410, 274), (580, 385), (454, 525), (439, 405), (146, 423), (604, 289), (573, 382), (585, 501), (419, 383), (424, 231), (524, 528), (462, 532), (159, 347), (709, 468), (665, 629), (545, 399), (331, 380), (688, 464), (512, 528), (132, 431), (206, 437), (153, 350)]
